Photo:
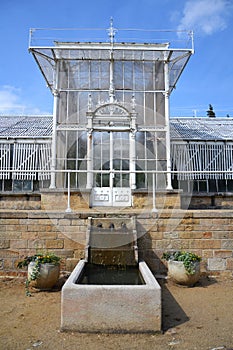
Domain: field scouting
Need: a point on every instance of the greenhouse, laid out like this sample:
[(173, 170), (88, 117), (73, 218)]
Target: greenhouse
[(201, 154), (111, 134)]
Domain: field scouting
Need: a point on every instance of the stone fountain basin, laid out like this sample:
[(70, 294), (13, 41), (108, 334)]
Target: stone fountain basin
[(111, 308)]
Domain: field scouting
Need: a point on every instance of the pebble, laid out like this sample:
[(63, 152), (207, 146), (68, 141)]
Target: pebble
[(174, 342), (38, 343), (172, 331)]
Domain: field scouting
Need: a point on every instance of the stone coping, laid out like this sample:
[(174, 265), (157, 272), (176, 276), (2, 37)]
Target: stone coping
[(192, 213), (209, 194), (64, 190), (20, 194)]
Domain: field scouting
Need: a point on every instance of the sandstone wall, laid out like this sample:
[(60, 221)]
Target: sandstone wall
[(209, 233)]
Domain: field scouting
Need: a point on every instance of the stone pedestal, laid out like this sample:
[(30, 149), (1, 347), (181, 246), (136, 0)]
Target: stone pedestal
[(58, 200)]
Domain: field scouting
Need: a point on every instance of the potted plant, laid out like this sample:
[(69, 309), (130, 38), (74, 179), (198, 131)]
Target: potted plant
[(43, 270), (183, 267)]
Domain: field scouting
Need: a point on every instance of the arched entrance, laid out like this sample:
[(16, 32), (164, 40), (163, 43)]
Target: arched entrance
[(112, 160), (111, 157)]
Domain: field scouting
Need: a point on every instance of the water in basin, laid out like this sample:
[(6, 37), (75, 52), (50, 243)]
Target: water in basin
[(110, 275)]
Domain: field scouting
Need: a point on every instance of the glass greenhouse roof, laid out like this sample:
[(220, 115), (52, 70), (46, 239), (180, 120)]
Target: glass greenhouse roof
[(182, 129), (201, 129), (50, 45)]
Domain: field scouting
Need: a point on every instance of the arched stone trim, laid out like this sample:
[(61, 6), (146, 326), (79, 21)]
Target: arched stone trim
[(111, 110)]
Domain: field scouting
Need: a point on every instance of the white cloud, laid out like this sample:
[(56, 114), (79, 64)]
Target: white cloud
[(205, 16), (11, 102)]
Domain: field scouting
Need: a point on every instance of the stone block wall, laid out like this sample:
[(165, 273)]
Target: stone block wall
[(207, 200), (208, 233), (19, 201), (163, 199), (59, 199), (24, 233)]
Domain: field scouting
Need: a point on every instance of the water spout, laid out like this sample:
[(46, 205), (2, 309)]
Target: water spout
[(123, 226), (111, 226)]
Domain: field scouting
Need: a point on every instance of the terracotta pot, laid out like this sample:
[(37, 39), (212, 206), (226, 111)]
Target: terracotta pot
[(179, 275), (49, 274)]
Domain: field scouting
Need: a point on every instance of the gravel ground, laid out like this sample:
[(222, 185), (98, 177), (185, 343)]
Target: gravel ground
[(193, 318)]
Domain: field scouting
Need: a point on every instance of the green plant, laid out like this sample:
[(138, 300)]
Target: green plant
[(189, 259), (38, 259)]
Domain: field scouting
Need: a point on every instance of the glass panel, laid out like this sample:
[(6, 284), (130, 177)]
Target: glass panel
[(103, 147), (105, 177), (121, 158), (150, 141), (7, 185), (84, 76), (22, 185), (140, 176), (63, 74), (72, 74), (17, 185), (104, 75), (138, 76), (146, 157), (82, 144), (148, 75), (118, 75), (27, 185), (159, 76), (128, 75), (95, 75), (71, 107), (160, 112), (149, 110), (101, 155)]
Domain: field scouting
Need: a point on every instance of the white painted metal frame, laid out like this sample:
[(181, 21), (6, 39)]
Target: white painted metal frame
[(203, 160), (30, 158), (54, 132), (5, 150), (44, 161), (73, 71), (115, 194), (114, 113), (25, 158)]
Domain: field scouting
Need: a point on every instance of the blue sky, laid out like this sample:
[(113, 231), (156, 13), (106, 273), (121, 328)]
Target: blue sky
[(207, 79)]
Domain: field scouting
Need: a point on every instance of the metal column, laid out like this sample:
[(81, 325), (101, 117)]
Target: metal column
[(54, 133), (167, 125)]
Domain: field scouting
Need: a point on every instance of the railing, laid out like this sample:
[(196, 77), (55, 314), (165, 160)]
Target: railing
[(147, 172), (46, 37), (69, 210)]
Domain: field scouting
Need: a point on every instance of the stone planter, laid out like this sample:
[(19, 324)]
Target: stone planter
[(179, 275), (49, 274)]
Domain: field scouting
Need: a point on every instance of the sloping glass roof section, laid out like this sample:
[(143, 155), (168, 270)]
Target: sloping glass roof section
[(201, 129), (182, 128), (49, 46), (30, 127)]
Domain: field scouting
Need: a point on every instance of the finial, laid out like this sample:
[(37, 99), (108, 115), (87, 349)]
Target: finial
[(89, 106), (133, 103), (111, 31)]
